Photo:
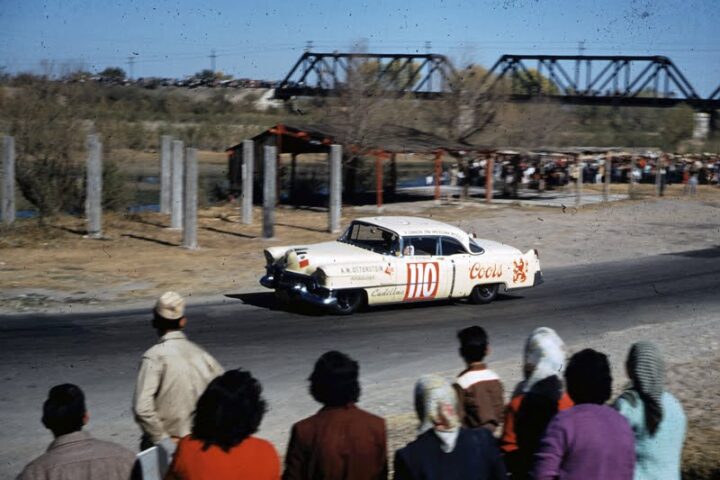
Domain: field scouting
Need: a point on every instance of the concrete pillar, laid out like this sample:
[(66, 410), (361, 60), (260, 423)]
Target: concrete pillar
[(8, 188), (701, 128), (608, 177), (334, 202), (659, 180), (489, 178), (248, 165), (176, 197), (190, 201), (437, 167), (93, 199), (269, 191), (165, 172), (578, 181), (379, 182)]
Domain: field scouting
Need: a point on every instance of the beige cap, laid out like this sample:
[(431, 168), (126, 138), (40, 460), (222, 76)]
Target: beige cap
[(170, 306)]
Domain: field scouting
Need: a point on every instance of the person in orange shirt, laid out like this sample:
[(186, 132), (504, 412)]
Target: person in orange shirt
[(221, 445), (535, 400)]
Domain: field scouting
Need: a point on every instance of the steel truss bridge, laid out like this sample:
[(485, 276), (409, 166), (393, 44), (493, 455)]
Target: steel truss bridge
[(649, 81)]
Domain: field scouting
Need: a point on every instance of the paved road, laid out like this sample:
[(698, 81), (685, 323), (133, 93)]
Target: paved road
[(394, 344)]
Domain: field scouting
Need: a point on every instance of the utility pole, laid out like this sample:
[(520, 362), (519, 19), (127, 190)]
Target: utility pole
[(213, 56)]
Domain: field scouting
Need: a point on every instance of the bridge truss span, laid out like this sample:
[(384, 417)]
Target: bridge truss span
[(595, 80), (331, 74)]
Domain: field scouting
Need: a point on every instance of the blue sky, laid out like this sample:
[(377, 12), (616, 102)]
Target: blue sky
[(261, 39)]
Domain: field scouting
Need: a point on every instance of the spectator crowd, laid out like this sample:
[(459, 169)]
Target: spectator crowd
[(558, 424), (555, 170)]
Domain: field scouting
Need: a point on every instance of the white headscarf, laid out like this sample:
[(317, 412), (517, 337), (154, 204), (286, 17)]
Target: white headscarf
[(545, 356), (436, 404)]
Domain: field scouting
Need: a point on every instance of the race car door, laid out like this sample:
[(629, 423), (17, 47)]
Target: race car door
[(460, 259), (428, 275)]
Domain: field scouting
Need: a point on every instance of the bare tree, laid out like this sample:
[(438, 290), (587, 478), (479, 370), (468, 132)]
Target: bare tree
[(48, 139)]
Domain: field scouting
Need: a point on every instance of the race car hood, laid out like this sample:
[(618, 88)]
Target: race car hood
[(306, 259)]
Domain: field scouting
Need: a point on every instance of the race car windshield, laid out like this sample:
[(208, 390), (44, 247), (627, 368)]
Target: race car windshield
[(371, 237)]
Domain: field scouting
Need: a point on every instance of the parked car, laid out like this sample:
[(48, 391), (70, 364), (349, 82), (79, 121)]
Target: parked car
[(384, 260)]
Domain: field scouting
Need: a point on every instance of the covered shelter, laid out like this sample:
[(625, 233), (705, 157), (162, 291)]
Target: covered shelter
[(383, 143)]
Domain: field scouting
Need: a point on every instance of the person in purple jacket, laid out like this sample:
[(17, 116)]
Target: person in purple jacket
[(590, 440)]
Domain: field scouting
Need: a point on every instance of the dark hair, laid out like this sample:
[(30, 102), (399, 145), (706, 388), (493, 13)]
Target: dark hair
[(229, 410), (588, 378), (161, 323), (334, 380), (473, 343), (64, 410)]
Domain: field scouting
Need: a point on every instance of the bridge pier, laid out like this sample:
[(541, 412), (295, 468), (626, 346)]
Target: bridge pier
[(701, 125)]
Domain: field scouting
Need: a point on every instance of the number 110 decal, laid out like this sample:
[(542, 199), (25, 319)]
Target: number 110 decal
[(422, 281)]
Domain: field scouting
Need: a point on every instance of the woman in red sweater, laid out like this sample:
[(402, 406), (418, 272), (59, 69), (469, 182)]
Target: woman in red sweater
[(221, 445)]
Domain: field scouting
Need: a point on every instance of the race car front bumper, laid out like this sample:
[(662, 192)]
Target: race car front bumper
[(300, 286)]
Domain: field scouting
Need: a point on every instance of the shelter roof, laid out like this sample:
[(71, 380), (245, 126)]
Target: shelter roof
[(389, 138)]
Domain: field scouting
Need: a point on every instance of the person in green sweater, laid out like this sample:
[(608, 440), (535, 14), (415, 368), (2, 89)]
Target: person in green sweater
[(655, 415)]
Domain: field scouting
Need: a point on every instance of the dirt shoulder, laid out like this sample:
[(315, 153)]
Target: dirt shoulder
[(55, 268)]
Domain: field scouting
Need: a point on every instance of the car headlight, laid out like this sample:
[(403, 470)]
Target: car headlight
[(320, 276)]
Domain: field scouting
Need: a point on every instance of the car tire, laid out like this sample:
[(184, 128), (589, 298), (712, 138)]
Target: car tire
[(485, 293), (349, 301)]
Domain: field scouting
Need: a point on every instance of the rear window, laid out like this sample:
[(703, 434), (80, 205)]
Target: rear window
[(475, 248), (450, 246)]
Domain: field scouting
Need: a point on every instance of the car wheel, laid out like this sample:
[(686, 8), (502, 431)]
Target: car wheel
[(485, 293), (348, 301)]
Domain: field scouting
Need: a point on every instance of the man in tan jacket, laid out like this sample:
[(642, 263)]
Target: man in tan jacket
[(172, 376), (75, 454)]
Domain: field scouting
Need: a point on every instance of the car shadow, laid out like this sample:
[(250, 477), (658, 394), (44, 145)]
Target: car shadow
[(269, 301)]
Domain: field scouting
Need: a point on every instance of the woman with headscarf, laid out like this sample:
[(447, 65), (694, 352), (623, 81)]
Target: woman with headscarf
[(443, 449), (655, 415), (536, 400)]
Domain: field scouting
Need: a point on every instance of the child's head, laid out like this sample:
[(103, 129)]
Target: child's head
[(473, 344)]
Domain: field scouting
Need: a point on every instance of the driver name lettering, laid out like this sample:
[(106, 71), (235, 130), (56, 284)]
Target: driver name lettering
[(478, 271), (422, 281), (361, 269)]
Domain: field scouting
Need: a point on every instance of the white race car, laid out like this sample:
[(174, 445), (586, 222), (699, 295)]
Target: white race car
[(384, 260)]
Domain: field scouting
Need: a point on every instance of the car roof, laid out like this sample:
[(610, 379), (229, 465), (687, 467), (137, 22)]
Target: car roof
[(406, 226)]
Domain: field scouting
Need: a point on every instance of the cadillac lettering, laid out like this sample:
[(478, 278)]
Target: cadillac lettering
[(384, 260)]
